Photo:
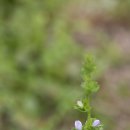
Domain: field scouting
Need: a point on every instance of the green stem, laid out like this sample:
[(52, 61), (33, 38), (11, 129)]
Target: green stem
[(89, 109)]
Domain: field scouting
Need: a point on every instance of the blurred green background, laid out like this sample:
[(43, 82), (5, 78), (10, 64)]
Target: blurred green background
[(42, 44)]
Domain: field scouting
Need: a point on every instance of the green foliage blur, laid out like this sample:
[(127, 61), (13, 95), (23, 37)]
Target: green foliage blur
[(38, 59), (42, 44)]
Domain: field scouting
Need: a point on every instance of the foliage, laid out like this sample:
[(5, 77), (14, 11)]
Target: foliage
[(90, 86), (40, 59), (36, 54)]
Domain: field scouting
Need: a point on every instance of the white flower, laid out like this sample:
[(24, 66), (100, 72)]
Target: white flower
[(80, 104), (78, 125), (96, 123)]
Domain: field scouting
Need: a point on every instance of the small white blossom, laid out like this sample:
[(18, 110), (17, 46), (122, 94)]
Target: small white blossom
[(78, 125), (80, 104), (96, 123)]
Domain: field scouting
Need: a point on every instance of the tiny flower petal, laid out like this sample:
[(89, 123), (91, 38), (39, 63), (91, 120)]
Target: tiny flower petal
[(80, 104), (78, 125), (96, 123)]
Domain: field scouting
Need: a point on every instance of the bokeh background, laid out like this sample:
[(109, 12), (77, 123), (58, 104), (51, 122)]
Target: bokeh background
[(42, 44)]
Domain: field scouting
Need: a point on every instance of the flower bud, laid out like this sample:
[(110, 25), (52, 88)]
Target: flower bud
[(80, 104), (78, 125), (96, 123)]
